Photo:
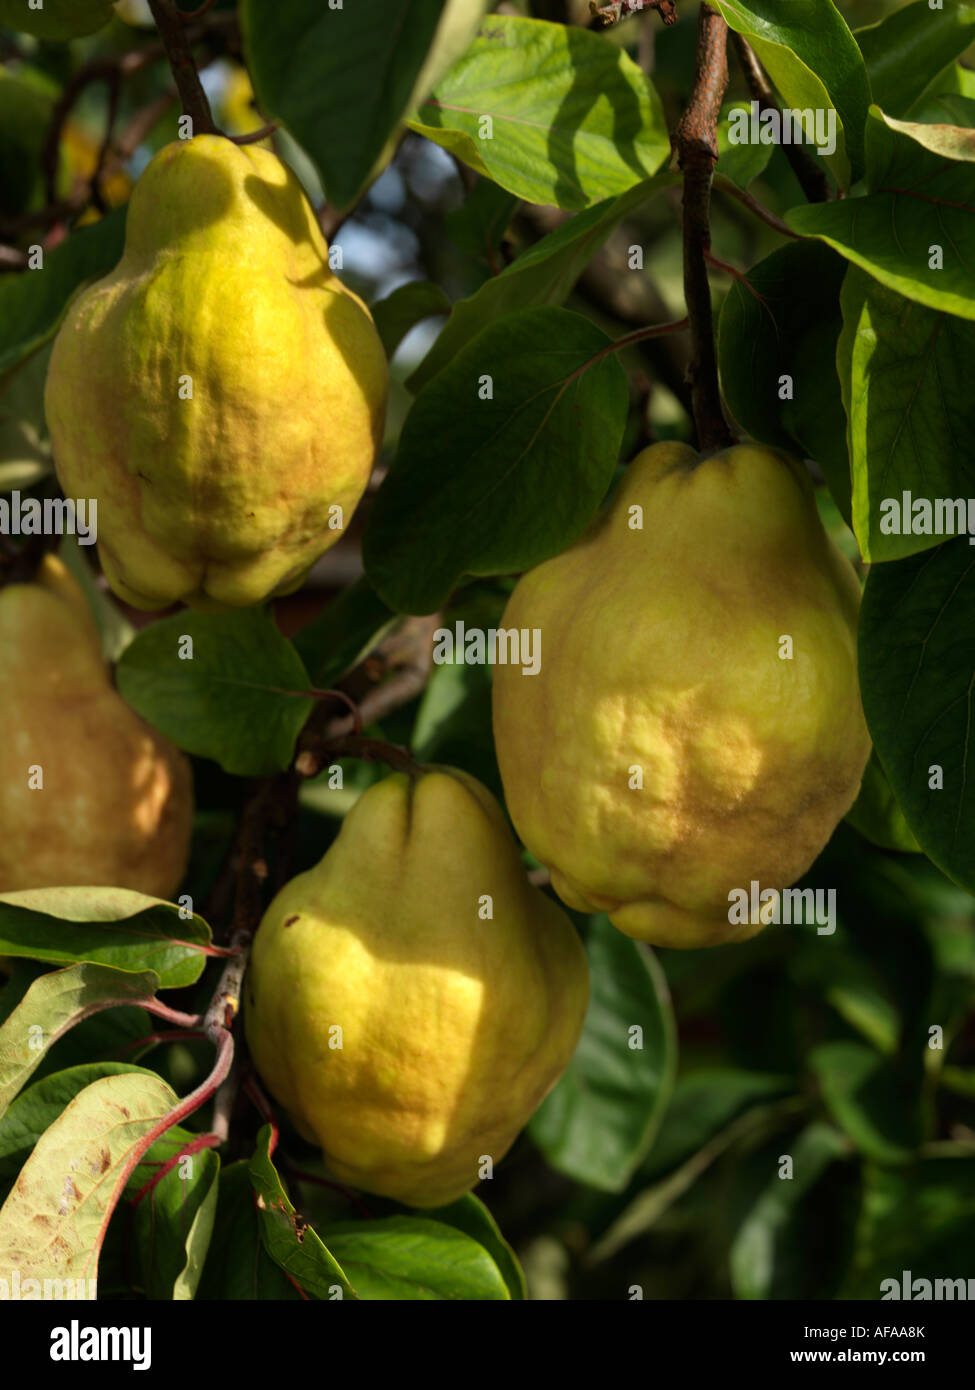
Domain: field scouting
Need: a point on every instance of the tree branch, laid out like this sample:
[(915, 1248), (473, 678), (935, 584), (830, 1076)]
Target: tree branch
[(806, 167), (603, 15), (170, 23), (696, 143)]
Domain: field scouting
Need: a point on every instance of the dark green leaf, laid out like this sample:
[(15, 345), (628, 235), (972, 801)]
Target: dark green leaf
[(33, 302), (918, 1222), (405, 308), (239, 700), (237, 1265), (876, 814), (478, 226), (910, 48), (873, 1098), (790, 330), (922, 195), (57, 19), (702, 1105), (599, 1121), (489, 486), (769, 1255), (545, 274), (343, 633), (172, 1221), (342, 79), (917, 635)]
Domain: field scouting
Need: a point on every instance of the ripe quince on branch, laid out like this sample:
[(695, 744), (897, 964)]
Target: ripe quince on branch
[(696, 722), (221, 393), (412, 998), (115, 803)]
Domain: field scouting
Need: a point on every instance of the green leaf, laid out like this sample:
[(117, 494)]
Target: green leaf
[(27, 99), (552, 113), (917, 634), (172, 1221), (74, 1177), (342, 79), (292, 1244), (922, 194), (919, 1220), (702, 1105), (344, 633), (405, 308), (53, 1004), (490, 486), (909, 49), (545, 274), (411, 1258), (453, 722), (873, 1098), (470, 1215), (741, 162), (237, 1265), (601, 1118), (25, 449), (479, 225), (36, 1109), (790, 330), (58, 19), (109, 926), (849, 980), (813, 59), (32, 303), (769, 1254), (240, 700), (876, 814), (904, 371)]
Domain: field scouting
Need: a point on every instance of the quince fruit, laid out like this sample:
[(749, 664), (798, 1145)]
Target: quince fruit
[(696, 723), (115, 803), (221, 393), (405, 1029)]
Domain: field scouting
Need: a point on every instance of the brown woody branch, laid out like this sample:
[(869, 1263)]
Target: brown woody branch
[(696, 143), (807, 169), (604, 15), (176, 41)]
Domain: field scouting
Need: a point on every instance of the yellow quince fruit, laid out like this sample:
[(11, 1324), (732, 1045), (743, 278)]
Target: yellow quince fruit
[(696, 723), (89, 793), (221, 393), (411, 999)]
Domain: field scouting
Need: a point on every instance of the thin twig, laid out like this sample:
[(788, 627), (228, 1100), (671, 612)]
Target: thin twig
[(696, 143), (726, 185), (179, 51), (604, 15), (807, 169), (254, 136)]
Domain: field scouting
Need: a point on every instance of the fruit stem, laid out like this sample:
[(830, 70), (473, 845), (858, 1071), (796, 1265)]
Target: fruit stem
[(170, 23), (696, 143)]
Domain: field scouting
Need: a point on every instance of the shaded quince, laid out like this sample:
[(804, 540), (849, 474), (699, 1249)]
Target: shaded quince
[(112, 803), (220, 393), (402, 1028), (696, 722)]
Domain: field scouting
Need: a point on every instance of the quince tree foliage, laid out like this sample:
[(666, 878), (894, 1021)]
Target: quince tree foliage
[(487, 795)]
